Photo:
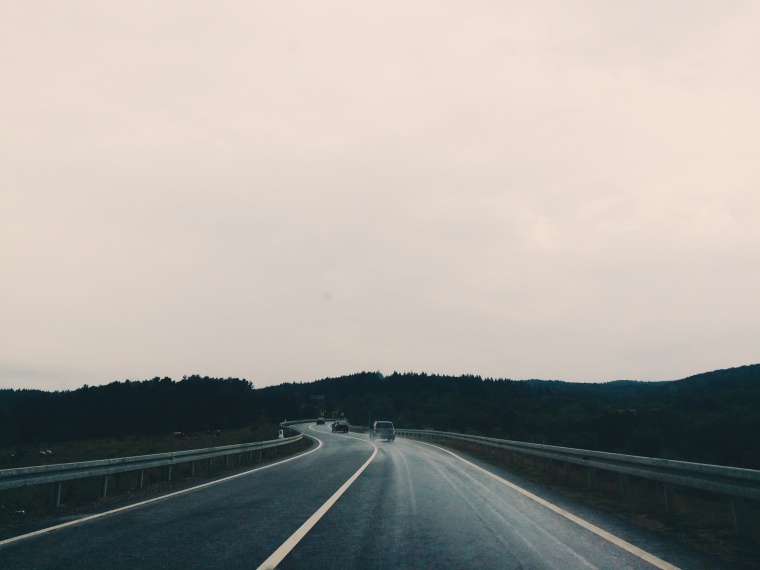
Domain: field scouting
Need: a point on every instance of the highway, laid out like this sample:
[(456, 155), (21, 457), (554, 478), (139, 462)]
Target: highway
[(351, 503)]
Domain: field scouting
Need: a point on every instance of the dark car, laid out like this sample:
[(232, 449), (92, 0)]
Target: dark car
[(320, 421), (340, 426), (384, 430)]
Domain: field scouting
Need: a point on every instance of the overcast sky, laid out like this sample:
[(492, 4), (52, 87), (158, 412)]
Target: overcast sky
[(284, 191)]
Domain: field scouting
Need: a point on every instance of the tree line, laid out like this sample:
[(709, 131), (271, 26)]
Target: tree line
[(708, 418), (149, 407)]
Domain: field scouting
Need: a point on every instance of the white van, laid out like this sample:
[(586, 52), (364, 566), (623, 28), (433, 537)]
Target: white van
[(384, 430)]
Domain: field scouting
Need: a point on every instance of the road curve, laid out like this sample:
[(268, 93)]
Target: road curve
[(412, 506), (237, 523), (420, 506)]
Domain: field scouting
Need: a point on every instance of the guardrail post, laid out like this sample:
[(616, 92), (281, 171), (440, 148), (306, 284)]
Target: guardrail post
[(226, 460), (739, 511), (670, 499), (56, 500), (625, 486), (739, 486)]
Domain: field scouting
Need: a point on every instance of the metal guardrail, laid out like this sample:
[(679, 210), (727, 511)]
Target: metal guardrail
[(738, 484), (313, 420), (59, 473), (716, 478), (351, 428)]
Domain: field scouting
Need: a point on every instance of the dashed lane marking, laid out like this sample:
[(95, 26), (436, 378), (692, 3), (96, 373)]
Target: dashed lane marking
[(296, 537)]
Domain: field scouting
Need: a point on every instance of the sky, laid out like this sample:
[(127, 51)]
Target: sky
[(286, 191)]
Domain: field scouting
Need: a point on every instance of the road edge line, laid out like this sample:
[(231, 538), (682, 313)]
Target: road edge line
[(617, 541), (156, 499)]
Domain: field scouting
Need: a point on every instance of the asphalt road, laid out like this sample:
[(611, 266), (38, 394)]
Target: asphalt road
[(412, 506)]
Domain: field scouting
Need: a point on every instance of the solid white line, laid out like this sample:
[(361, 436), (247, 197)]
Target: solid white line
[(636, 551), (155, 499), (296, 537)]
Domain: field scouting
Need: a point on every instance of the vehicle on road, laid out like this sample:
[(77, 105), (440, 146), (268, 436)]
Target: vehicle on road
[(384, 430), (320, 421), (340, 426)]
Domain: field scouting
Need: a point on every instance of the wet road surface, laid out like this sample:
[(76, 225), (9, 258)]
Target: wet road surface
[(413, 506)]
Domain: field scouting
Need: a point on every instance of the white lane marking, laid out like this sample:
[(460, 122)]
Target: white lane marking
[(410, 485), (155, 499), (360, 439), (312, 428), (279, 554), (636, 551), (516, 527)]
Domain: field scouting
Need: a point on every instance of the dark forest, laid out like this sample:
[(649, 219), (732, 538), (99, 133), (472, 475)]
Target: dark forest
[(708, 418)]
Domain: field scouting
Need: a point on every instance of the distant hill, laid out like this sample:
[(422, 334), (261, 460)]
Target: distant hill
[(156, 406), (709, 418)]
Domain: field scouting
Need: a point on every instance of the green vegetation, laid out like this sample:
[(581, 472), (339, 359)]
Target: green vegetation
[(25, 455), (149, 408), (709, 418)]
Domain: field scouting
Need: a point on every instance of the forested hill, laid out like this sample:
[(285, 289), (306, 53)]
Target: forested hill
[(150, 407), (709, 418)]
